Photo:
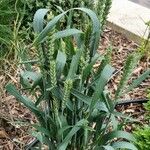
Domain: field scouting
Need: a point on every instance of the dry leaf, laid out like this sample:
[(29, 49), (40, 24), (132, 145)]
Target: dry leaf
[(3, 134), (10, 145), (137, 70)]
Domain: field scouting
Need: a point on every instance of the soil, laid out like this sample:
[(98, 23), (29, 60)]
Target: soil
[(15, 118)]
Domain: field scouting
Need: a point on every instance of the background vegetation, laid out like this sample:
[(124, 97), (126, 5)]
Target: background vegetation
[(142, 134), (16, 19)]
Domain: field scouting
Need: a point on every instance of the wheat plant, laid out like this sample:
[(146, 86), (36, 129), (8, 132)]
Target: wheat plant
[(74, 111)]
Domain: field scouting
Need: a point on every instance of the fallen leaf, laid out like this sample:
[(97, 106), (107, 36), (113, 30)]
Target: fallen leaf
[(137, 70), (3, 134)]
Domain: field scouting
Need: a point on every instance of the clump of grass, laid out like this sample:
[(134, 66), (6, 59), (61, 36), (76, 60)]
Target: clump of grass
[(73, 109)]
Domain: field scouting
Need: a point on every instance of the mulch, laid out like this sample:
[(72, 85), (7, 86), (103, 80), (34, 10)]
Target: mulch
[(15, 118), (122, 47)]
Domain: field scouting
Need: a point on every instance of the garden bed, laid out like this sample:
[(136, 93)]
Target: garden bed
[(13, 135), (122, 47)]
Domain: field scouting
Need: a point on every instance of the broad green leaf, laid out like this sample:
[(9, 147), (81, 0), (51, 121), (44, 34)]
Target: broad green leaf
[(108, 148), (84, 98), (101, 106), (95, 37), (48, 28), (74, 65), (89, 68), (28, 75), (66, 33), (38, 135), (114, 122), (43, 140), (42, 130), (57, 93), (72, 132), (117, 134), (60, 63), (30, 79), (28, 103), (52, 23), (70, 105), (138, 81), (79, 40), (60, 131), (63, 120), (101, 83), (125, 117), (53, 125), (59, 8), (124, 145), (38, 21), (67, 139), (104, 78), (109, 103)]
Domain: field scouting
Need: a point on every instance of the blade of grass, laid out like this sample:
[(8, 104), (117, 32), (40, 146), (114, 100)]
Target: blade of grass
[(38, 21), (66, 33), (138, 81), (124, 145), (28, 103)]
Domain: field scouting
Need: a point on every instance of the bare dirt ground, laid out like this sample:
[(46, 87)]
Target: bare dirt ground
[(15, 119)]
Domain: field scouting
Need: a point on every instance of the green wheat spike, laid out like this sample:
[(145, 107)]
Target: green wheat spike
[(53, 84), (87, 41), (87, 35), (53, 73), (87, 55), (82, 64), (67, 90), (41, 60), (108, 56), (55, 106), (108, 4), (40, 55), (130, 64), (100, 9), (51, 50)]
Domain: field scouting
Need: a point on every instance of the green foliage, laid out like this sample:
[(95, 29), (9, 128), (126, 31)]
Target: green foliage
[(64, 5), (142, 135), (145, 44), (147, 108), (11, 13), (73, 109), (101, 8), (16, 15), (7, 15)]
